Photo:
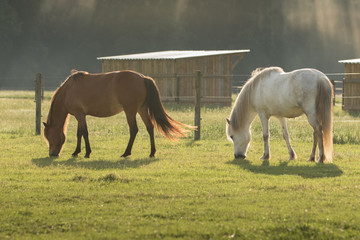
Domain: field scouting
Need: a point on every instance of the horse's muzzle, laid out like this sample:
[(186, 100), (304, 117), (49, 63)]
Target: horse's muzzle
[(240, 156), (53, 155)]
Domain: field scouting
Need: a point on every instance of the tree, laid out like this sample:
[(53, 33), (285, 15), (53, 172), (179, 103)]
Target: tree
[(10, 28)]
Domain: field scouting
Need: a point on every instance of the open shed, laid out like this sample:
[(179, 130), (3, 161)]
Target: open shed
[(174, 72), (351, 85)]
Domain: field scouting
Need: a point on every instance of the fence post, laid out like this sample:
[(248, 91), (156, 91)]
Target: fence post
[(38, 98), (334, 93), (197, 105), (42, 90)]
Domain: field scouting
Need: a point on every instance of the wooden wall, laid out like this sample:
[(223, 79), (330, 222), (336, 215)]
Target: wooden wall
[(176, 77), (351, 87)]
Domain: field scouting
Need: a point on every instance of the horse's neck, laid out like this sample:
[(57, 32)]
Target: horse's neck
[(245, 115), (248, 118), (59, 114)]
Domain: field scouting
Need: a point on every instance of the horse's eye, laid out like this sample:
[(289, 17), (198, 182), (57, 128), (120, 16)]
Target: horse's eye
[(232, 137)]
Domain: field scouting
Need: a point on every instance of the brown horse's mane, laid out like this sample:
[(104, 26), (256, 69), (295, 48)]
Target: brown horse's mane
[(74, 74), (242, 104)]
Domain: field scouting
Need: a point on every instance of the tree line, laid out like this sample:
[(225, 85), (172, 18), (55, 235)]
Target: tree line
[(54, 37)]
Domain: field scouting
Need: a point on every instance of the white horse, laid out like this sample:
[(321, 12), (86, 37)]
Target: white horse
[(273, 92)]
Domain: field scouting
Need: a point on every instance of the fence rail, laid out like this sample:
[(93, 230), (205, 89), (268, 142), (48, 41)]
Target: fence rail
[(237, 81), (51, 82)]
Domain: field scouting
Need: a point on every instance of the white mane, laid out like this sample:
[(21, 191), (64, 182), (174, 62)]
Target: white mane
[(242, 103)]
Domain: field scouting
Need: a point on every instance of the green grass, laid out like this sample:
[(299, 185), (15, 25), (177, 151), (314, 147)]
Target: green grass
[(191, 190)]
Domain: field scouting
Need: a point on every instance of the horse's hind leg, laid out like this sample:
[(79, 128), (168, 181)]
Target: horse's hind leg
[(318, 138), (313, 151), (292, 154), (131, 119), (149, 127), (320, 144)]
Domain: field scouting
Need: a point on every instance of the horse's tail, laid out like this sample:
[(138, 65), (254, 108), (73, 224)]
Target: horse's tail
[(325, 115), (169, 127)]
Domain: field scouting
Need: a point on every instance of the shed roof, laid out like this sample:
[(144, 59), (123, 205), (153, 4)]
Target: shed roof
[(171, 55), (357, 60)]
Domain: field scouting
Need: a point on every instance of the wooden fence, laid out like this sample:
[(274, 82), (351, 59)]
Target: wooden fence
[(39, 96), (197, 99)]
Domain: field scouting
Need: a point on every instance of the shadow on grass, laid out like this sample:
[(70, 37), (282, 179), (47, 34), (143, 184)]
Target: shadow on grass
[(355, 114), (93, 164), (308, 171)]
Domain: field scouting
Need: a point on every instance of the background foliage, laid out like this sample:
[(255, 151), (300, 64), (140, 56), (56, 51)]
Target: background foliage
[(54, 37)]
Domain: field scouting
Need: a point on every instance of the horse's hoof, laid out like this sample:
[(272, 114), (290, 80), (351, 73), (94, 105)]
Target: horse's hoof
[(239, 156), (74, 155), (265, 157), (125, 155), (322, 159), (292, 157), (87, 156), (311, 159)]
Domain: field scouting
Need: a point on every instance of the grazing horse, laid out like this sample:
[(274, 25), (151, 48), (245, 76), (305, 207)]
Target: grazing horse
[(273, 92), (104, 95)]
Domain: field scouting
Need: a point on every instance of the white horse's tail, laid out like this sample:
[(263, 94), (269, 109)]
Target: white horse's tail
[(325, 115)]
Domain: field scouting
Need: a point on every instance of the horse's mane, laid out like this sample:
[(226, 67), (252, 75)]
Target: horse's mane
[(242, 103), (260, 73), (74, 74)]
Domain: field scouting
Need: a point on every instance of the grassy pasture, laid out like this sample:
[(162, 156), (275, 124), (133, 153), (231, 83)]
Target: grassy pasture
[(191, 190)]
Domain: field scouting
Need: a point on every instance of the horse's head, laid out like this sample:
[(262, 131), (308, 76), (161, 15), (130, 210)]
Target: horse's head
[(55, 139), (241, 139)]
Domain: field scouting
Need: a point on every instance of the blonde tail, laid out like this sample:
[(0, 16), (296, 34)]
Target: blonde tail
[(325, 117)]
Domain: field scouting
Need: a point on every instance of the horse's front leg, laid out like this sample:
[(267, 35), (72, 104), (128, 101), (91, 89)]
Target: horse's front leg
[(87, 143), (82, 131), (266, 135), (78, 145)]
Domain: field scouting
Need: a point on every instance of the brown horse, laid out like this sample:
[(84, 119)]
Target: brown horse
[(104, 95)]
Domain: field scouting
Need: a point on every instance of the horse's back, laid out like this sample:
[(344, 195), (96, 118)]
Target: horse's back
[(307, 82), (105, 94), (309, 76), (285, 94)]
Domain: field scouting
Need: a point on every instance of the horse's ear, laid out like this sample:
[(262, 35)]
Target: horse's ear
[(45, 124), (228, 121), (73, 71)]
